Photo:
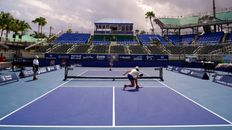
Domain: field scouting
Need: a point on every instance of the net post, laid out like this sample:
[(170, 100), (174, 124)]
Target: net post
[(161, 74), (160, 69), (65, 73)]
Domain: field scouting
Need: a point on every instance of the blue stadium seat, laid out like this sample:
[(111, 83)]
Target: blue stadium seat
[(210, 38), (229, 40), (73, 38), (146, 39), (175, 39), (187, 39)]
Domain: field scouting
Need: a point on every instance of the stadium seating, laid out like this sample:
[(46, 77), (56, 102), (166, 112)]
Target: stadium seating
[(126, 39), (229, 40), (61, 48), (187, 39), (78, 49), (147, 39), (137, 49), (118, 49), (156, 50), (73, 38), (209, 48), (175, 39), (101, 42), (209, 38), (180, 49), (100, 49)]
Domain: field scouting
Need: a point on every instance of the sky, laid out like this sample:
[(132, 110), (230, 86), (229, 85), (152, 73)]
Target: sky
[(80, 15)]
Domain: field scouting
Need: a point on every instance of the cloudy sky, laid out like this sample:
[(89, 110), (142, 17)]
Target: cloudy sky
[(81, 14)]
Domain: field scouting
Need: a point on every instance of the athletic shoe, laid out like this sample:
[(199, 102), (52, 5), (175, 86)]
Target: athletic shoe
[(124, 88)]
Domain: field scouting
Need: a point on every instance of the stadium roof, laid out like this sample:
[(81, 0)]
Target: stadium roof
[(193, 20), (25, 38), (113, 21)]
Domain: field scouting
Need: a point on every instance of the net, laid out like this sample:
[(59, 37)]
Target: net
[(78, 73)]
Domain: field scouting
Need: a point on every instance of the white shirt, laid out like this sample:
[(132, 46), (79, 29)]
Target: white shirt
[(35, 62), (134, 73)]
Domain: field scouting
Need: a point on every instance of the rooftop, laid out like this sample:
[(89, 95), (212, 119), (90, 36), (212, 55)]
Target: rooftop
[(113, 21)]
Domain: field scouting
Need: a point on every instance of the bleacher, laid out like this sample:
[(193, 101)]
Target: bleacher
[(147, 39), (101, 42), (229, 38), (180, 49), (73, 38), (137, 49), (155, 50), (209, 48), (187, 39), (78, 49), (118, 49), (210, 38), (100, 49), (62, 48), (100, 39), (175, 39), (126, 39)]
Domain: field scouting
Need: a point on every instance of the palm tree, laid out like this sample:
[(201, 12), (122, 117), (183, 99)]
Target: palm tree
[(41, 21), (37, 21), (5, 21), (9, 21), (150, 15), (137, 31), (23, 26), (1, 24), (14, 26)]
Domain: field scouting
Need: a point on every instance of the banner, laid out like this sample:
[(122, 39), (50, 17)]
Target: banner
[(8, 78), (223, 79), (106, 57), (189, 72)]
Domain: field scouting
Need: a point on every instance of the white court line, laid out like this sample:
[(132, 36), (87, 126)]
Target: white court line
[(151, 126), (34, 100), (95, 86), (113, 105), (197, 103)]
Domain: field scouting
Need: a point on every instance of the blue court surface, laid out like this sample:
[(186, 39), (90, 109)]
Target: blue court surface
[(180, 102)]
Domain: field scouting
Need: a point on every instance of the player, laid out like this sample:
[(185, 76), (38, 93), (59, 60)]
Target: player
[(133, 76), (35, 67), (111, 63)]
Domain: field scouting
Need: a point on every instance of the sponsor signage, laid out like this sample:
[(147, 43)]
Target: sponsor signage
[(27, 73), (185, 71), (8, 78), (102, 57), (223, 79), (42, 70), (193, 73)]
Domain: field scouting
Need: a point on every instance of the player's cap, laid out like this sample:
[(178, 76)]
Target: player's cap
[(137, 68), (36, 56)]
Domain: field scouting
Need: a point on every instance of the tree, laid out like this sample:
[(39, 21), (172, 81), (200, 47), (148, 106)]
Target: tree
[(5, 21), (69, 30), (23, 26), (41, 21), (136, 31), (142, 32), (150, 15)]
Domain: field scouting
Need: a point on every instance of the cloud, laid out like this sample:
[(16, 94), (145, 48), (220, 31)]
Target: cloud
[(16, 13), (81, 14), (38, 4)]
